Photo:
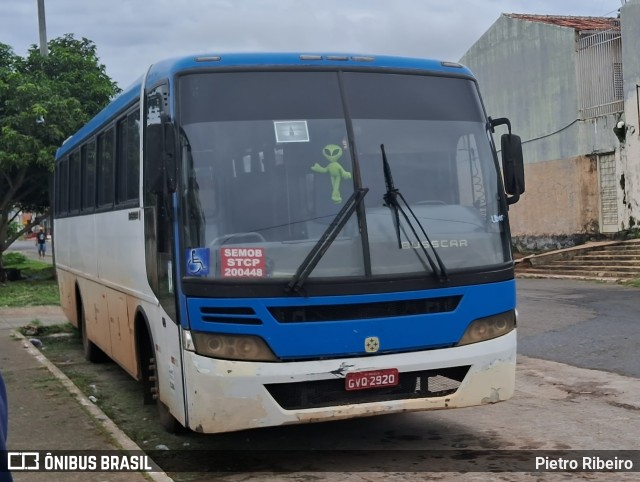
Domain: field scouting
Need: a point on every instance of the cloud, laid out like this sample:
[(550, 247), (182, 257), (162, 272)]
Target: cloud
[(132, 35)]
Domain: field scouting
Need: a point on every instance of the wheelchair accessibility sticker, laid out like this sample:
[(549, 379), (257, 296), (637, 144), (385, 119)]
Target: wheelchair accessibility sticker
[(198, 262)]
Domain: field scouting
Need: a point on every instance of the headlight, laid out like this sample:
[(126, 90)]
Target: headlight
[(488, 328), (231, 347)]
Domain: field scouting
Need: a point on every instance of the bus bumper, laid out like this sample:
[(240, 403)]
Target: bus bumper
[(224, 396)]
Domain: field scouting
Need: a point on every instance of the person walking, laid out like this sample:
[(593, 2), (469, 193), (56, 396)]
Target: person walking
[(41, 243)]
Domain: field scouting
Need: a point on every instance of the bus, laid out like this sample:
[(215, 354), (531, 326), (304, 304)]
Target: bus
[(267, 239)]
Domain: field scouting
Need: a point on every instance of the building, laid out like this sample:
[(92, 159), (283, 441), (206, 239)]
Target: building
[(566, 83)]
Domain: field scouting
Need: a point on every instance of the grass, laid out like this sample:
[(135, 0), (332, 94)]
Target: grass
[(38, 287), (29, 293), (118, 395), (634, 283), (29, 268), (35, 328)]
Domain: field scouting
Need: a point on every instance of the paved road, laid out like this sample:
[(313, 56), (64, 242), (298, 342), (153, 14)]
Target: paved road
[(581, 323), (556, 406), (29, 248)]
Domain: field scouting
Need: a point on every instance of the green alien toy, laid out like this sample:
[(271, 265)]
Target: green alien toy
[(336, 172)]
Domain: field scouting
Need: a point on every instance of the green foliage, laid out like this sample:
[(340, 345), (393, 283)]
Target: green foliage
[(43, 100), (14, 259), (36, 328), (13, 228), (633, 283), (29, 293), (30, 269), (633, 234)]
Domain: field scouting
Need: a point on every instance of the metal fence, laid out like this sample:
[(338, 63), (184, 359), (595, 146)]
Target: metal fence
[(600, 87)]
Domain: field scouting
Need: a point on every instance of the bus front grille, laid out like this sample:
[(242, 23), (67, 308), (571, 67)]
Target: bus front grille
[(233, 315), (360, 311), (327, 393)]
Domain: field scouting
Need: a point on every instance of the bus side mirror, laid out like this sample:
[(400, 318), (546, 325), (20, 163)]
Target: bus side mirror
[(512, 167), (512, 160)]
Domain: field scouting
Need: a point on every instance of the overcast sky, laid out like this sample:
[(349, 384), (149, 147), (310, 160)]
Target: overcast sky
[(130, 35)]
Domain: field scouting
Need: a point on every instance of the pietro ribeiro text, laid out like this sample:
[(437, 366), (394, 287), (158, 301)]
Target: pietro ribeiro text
[(584, 464)]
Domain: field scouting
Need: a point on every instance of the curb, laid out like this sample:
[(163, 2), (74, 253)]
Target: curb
[(121, 439)]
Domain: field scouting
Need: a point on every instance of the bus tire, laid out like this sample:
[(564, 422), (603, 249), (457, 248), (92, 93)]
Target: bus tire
[(91, 351)]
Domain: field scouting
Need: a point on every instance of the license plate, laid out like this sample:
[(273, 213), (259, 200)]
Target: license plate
[(387, 377)]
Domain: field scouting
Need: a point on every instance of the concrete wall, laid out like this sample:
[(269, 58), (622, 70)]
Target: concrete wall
[(560, 206), (629, 163), (527, 72)]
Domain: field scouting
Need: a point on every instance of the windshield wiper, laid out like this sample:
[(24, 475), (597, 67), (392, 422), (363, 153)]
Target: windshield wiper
[(391, 201), (320, 248)]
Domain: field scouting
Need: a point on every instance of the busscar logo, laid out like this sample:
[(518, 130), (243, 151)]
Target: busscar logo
[(23, 461), (437, 243)]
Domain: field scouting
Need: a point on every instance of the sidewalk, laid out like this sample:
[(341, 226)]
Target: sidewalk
[(44, 413)]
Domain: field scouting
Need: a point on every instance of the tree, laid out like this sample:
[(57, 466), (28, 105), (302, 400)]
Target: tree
[(43, 100)]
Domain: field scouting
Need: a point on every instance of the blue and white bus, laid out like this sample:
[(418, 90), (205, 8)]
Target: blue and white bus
[(267, 239)]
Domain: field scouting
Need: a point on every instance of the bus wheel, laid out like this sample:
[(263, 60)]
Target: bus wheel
[(91, 351), (167, 420)]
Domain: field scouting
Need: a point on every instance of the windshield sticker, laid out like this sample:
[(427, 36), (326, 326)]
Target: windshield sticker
[(333, 153), (497, 218), (197, 261), (237, 262), (291, 131)]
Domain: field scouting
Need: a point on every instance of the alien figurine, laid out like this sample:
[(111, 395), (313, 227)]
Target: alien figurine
[(333, 153)]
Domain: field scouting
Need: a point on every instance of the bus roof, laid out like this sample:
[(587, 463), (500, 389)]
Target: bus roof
[(171, 67)]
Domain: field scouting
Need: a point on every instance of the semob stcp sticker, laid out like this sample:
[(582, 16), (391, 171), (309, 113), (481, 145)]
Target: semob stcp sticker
[(240, 262)]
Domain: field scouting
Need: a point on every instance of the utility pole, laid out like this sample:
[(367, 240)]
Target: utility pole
[(42, 26), (44, 51)]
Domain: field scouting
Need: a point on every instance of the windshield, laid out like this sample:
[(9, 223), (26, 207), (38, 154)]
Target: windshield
[(270, 158)]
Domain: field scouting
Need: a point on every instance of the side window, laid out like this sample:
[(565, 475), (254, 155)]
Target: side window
[(157, 107), (58, 189), (89, 176), (128, 159), (121, 162), (106, 168), (74, 182), (133, 155), (64, 186)]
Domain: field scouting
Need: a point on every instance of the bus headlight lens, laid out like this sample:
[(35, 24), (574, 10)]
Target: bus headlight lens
[(488, 328), (232, 347)]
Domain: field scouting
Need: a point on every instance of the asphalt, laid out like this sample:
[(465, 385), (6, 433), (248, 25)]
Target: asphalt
[(47, 412)]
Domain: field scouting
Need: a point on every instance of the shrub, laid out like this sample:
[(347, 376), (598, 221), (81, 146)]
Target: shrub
[(13, 258)]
